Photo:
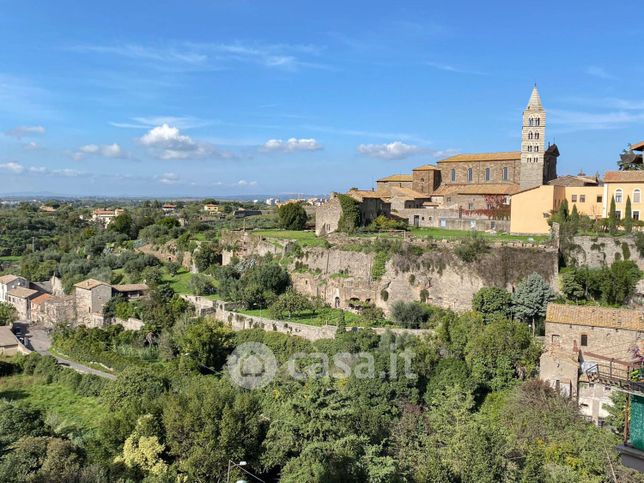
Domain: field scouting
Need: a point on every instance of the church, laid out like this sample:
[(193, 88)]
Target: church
[(465, 191)]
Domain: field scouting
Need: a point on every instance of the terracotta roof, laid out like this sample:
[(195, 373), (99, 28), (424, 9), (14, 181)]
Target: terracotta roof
[(398, 177), (133, 287), (624, 177), (427, 167), (361, 194), (595, 316), (22, 292), (40, 299), (477, 189), (408, 193), (638, 146), (8, 279), (500, 156), (574, 181), (90, 284)]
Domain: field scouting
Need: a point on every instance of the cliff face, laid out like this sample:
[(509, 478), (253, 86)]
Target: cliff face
[(600, 251), (356, 270)]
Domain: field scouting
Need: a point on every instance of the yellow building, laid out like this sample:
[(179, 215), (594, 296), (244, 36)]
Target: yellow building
[(531, 209), (622, 185)]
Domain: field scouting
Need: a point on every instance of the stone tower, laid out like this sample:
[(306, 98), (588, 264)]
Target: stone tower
[(533, 143)]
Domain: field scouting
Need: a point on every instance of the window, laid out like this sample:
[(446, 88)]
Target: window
[(618, 214), (582, 198), (452, 175), (555, 339), (538, 122), (470, 175), (536, 135), (574, 198), (599, 198), (529, 149), (536, 149), (531, 122), (618, 196), (487, 174), (506, 173), (636, 215), (529, 135), (584, 340), (637, 196), (470, 206)]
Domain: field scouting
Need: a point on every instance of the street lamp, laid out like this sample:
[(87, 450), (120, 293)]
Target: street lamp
[(240, 465)]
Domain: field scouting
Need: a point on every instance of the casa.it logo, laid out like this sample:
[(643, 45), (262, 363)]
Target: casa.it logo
[(252, 365)]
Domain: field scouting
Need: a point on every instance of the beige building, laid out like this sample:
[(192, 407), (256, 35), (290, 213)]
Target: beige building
[(582, 341), (211, 208), (10, 282), (90, 298), (105, 217)]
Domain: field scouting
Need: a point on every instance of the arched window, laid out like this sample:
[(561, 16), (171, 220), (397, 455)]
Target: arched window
[(470, 175), (530, 135), (488, 174), (536, 149), (530, 122), (536, 135), (452, 175), (529, 149), (637, 196), (618, 196)]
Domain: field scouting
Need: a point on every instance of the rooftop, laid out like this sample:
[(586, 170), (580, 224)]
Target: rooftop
[(500, 156), (398, 177), (8, 279), (638, 146), (90, 284), (362, 194), (591, 316), (427, 167), (574, 181), (624, 177), (22, 292), (477, 189), (408, 193), (6, 337), (40, 299)]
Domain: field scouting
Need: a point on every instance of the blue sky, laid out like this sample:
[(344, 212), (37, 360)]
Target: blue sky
[(206, 97)]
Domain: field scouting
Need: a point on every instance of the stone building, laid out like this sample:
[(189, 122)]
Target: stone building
[(578, 340), (50, 310), (20, 298), (470, 190), (10, 282), (90, 298)]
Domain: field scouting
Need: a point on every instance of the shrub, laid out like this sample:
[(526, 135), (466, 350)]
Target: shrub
[(292, 216), (491, 301), (472, 248), (410, 315)]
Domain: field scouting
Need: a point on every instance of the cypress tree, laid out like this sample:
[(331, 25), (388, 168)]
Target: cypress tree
[(612, 217), (628, 216)]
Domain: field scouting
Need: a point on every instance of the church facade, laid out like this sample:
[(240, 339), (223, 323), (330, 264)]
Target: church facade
[(460, 191)]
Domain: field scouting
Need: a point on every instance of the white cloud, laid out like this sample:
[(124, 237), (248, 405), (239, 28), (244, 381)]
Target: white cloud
[(582, 121), (25, 131), (394, 150), (12, 167), (243, 182), (599, 72), (112, 151), (291, 145), (168, 143), (168, 178)]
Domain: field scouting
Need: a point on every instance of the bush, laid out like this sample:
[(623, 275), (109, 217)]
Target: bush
[(472, 248), (290, 303), (201, 285), (491, 301), (410, 315), (292, 216)]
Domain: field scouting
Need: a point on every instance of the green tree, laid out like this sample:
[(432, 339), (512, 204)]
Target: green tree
[(207, 256), (492, 301), (207, 343), (124, 224), (292, 216), (143, 450), (8, 314), (290, 303), (410, 315), (17, 421), (201, 285), (628, 216), (612, 217), (531, 298)]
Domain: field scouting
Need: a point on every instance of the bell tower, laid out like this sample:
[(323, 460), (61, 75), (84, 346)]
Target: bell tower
[(533, 134)]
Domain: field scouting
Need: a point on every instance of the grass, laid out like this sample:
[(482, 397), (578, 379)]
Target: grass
[(180, 283), (443, 233), (304, 238), (11, 258), (325, 316), (92, 365), (53, 399)]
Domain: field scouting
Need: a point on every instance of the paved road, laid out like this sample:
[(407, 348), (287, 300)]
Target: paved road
[(39, 341)]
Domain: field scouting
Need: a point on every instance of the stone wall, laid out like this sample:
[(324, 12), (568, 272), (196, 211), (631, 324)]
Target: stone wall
[(243, 244), (54, 311), (224, 312), (168, 253), (130, 324), (327, 217), (600, 251)]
